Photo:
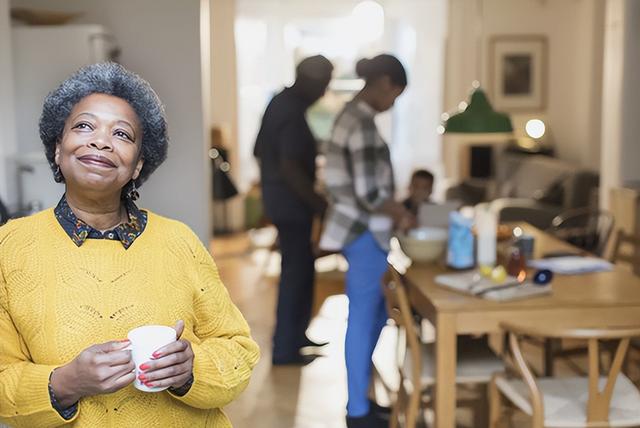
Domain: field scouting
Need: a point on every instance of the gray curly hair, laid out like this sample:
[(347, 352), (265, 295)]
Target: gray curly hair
[(111, 79)]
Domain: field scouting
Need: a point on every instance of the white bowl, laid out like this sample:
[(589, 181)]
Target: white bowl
[(424, 244)]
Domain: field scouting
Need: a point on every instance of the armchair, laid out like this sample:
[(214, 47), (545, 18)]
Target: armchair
[(533, 188)]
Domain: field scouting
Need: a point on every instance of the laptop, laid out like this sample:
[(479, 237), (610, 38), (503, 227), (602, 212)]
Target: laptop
[(436, 215)]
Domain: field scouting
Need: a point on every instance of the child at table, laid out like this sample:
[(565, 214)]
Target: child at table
[(420, 189)]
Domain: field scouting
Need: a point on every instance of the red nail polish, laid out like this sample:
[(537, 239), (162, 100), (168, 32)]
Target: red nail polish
[(156, 354), (149, 384), (144, 367), (142, 377)]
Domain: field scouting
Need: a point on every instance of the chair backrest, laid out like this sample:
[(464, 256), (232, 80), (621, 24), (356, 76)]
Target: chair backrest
[(599, 401), (632, 255), (399, 310), (585, 228), (538, 217)]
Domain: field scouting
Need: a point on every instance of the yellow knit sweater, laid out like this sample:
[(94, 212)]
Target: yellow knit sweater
[(56, 299)]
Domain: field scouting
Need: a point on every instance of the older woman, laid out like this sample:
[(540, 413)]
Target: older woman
[(76, 278), (359, 178)]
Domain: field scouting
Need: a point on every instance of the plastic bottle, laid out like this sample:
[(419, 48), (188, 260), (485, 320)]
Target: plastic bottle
[(460, 241), (486, 228)]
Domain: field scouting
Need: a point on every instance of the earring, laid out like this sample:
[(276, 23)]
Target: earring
[(133, 193), (57, 175)]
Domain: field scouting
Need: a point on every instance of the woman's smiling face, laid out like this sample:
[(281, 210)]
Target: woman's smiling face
[(100, 146)]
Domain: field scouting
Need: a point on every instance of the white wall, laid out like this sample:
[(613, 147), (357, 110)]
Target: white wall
[(224, 97), (631, 93), (414, 31), (574, 31), (621, 98), (7, 121), (160, 40), (420, 44)]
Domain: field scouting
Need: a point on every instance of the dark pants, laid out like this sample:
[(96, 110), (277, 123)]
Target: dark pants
[(295, 295)]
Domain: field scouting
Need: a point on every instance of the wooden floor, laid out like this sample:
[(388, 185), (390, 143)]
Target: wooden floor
[(293, 397), (282, 397), (288, 397)]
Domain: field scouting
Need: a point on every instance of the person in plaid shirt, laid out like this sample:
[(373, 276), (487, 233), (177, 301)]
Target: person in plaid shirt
[(363, 213)]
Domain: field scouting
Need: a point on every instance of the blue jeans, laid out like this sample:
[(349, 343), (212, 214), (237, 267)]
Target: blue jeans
[(367, 316)]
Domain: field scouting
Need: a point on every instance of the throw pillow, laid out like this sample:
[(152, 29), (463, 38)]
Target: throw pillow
[(552, 195)]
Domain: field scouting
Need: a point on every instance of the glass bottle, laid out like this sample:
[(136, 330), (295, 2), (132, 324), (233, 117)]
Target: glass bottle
[(516, 265)]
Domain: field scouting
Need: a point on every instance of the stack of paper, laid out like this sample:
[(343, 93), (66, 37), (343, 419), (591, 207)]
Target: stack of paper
[(473, 283), (572, 265)]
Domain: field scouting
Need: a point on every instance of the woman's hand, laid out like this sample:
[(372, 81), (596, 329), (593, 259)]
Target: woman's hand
[(99, 369), (172, 365)]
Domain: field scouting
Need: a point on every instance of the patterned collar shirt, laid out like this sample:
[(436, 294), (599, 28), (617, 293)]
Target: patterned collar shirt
[(79, 231), (359, 179)]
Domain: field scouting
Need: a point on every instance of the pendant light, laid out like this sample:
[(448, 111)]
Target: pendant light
[(478, 116)]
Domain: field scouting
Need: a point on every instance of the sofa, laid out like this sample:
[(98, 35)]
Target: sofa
[(531, 188)]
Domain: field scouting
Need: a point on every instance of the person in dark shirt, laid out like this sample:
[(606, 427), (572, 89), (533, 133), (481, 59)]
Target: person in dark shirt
[(420, 189), (286, 151), (4, 213)]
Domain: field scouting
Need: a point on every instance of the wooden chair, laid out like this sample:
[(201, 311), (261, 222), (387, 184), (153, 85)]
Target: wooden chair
[(553, 348), (586, 401), (331, 268), (584, 228), (588, 229), (416, 361), (632, 255)]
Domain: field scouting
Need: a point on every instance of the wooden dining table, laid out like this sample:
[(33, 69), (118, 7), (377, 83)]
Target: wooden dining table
[(587, 300)]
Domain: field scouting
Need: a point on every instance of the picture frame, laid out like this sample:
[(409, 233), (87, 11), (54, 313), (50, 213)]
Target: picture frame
[(518, 72)]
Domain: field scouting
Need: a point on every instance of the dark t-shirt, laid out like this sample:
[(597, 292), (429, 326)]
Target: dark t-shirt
[(409, 205), (285, 134)]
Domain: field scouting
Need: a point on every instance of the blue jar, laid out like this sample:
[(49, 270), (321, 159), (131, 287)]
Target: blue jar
[(460, 246)]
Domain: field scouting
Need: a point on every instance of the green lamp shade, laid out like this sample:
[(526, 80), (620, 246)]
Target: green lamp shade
[(479, 117)]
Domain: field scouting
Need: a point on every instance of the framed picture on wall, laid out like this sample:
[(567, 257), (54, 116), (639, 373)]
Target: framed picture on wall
[(518, 72)]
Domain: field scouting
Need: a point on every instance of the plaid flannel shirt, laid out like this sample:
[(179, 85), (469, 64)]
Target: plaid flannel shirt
[(358, 178)]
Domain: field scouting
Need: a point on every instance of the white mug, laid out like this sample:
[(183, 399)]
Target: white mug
[(145, 341)]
